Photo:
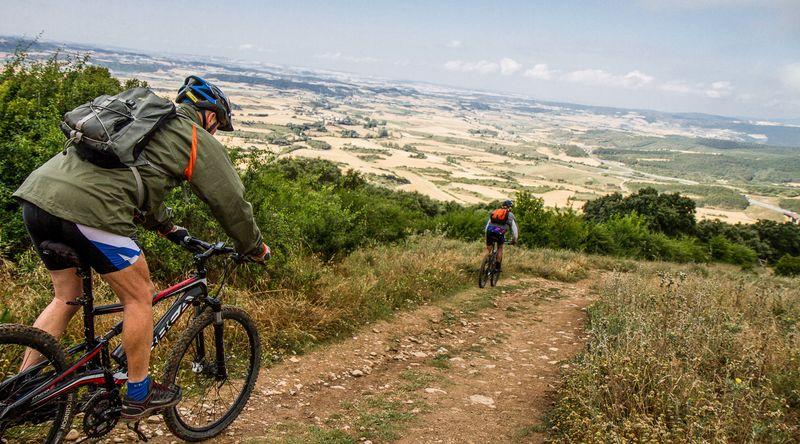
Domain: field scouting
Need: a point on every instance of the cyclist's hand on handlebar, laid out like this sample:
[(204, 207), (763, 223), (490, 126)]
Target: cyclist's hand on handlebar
[(261, 257), (176, 234)]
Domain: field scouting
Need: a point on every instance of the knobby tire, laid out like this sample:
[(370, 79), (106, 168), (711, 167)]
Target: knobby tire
[(198, 378), (51, 422)]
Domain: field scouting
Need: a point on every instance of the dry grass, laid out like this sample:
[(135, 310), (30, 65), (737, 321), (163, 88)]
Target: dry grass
[(686, 356)]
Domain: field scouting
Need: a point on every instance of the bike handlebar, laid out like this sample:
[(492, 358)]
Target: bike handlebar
[(204, 250)]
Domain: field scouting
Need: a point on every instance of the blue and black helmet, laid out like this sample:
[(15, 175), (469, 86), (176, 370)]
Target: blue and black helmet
[(508, 203), (205, 95)]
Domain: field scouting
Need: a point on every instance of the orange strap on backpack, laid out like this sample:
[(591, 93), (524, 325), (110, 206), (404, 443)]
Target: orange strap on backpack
[(189, 171)]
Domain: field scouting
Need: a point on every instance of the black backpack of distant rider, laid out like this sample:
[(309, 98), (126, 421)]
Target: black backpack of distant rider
[(112, 131)]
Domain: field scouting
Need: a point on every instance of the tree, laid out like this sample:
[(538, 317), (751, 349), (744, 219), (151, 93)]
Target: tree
[(668, 213)]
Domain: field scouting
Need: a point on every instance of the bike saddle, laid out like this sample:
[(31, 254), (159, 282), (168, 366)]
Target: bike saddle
[(63, 250)]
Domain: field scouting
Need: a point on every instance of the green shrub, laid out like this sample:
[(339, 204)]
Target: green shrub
[(743, 255), (467, 224), (630, 235), (599, 241), (569, 230), (788, 266)]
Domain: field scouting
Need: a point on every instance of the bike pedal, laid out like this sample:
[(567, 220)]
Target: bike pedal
[(135, 427), (79, 301)]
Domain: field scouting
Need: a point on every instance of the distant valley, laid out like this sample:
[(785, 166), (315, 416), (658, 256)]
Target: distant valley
[(473, 146)]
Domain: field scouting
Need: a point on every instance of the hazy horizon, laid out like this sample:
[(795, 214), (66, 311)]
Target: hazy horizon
[(724, 57)]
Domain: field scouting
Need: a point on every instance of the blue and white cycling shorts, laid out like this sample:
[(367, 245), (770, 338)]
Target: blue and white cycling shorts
[(495, 234), (105, 252)]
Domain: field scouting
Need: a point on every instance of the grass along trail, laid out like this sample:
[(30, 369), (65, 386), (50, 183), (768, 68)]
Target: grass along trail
[(477, 367)]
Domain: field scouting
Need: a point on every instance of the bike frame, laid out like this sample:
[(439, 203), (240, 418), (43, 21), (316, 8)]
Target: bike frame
[(94, 366)]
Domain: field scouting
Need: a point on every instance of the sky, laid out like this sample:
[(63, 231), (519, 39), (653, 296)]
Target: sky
[(729, 57)]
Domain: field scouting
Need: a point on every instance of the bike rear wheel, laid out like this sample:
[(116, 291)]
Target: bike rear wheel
[(212, 401), (51, 422), (494, 276)]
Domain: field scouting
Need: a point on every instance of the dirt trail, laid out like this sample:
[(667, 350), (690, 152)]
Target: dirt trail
[(477, 368)]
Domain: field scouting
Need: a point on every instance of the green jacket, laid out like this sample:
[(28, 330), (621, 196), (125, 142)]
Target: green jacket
[(81, 192)]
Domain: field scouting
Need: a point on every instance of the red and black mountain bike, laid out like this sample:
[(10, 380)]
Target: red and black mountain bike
[(215, 361)]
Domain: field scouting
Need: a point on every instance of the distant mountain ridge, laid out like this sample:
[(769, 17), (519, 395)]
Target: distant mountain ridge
[(130, 62)]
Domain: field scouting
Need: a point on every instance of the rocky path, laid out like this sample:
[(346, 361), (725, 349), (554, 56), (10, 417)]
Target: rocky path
[(477, 368)]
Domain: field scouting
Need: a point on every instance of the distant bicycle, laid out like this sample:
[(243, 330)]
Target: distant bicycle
[(215, 361), (488, 271)]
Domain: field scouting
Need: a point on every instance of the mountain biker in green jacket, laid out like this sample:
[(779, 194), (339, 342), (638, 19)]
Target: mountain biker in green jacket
[(94, 211), (496, 228)]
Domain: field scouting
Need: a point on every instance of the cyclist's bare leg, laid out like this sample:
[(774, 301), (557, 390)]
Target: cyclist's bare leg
[(135, 290), (499, 252), (55, 317)]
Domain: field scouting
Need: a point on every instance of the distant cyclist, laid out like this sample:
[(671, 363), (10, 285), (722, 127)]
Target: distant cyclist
[(94, 210), (500, 221)]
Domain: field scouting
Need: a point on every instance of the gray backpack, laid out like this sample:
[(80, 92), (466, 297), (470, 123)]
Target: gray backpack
[(112, 131)]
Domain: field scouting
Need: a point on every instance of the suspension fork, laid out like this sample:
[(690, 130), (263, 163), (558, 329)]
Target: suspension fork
[(221, 371)]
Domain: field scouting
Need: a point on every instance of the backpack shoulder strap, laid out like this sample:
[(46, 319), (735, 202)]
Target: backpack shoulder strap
[(139, 187)]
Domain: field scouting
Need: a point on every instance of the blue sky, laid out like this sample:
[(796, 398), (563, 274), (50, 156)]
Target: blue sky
[(729, 57)]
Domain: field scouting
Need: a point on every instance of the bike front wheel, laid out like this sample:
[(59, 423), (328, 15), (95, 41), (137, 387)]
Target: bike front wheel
[(484, 272), (215, 385), (50, 422)]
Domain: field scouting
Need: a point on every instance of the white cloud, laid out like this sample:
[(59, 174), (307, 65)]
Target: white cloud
[(677, 86), (790, 76), (509, 66), (719, 90), (246, 46), (540, 71), (454, 44), (634, 79), (482, 66)]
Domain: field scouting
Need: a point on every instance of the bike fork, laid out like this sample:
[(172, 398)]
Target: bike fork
[(220, 370)]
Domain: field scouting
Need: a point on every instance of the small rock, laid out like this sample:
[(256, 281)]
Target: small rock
[(420, 354), (155, 419), (338, 387), (293, 359), (356, 373), (72, 435), (118, 439), (483, 400), (434, 391)]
